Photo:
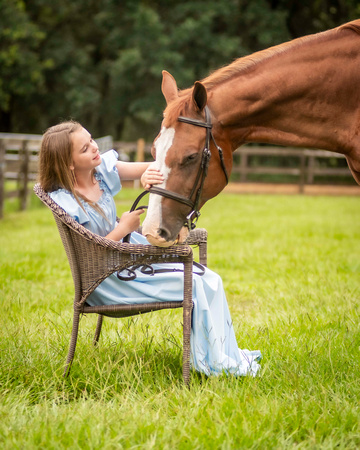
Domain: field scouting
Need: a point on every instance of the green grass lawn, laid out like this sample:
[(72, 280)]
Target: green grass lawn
[(290, 266)]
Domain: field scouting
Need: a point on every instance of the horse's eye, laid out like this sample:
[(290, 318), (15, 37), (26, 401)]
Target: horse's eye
[(189, 159)]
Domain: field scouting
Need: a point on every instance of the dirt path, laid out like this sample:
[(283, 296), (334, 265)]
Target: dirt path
[(288, 189)]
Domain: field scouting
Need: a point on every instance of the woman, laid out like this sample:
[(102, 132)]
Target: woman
[(83, 183)]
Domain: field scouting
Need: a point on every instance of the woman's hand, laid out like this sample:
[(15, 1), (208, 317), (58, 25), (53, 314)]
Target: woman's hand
[(151, 176), (130, 221)]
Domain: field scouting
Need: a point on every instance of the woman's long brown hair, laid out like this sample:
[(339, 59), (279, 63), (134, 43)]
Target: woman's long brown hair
[(55, 159)]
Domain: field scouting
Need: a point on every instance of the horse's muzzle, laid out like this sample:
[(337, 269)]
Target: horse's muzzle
[(162, 240)]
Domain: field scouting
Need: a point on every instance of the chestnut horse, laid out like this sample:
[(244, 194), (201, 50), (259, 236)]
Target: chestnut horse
[(304, 93)]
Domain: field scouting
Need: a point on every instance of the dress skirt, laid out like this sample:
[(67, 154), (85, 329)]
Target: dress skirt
[(214, 349)]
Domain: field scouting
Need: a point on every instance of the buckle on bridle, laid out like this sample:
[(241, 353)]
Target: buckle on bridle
[(191, 219)]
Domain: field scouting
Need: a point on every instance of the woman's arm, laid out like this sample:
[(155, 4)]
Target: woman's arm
[(142, 170), (131, 170)]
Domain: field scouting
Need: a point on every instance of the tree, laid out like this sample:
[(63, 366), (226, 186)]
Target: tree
[(100, 61), (21, 70), (313, 16)]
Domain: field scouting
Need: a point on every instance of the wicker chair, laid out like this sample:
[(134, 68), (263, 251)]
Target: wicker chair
[(93, 258)]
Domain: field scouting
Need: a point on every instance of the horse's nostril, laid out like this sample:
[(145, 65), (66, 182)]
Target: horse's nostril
[(164, 233)]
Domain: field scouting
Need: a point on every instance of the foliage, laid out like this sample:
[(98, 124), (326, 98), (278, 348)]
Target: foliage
[(307, 17), (100, 61), (21, 68), (290, 268)]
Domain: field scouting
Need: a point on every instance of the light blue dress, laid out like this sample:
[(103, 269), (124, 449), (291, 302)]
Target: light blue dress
[(214, 348)]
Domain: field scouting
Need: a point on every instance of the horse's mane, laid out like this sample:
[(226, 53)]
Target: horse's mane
[(244, 64)]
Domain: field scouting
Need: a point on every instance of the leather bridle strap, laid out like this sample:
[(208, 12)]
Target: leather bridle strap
[(194, 214), (209, 135), (172, 195)]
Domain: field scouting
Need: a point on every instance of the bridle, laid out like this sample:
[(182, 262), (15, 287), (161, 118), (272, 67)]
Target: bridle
[(193, 216)]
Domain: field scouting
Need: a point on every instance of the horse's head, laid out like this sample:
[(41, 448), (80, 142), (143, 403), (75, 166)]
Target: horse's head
[(191, 176)]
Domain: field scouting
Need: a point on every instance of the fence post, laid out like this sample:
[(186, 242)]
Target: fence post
[(140, 157), (24, 176), (243, 166), (140, 150), (2, 177), (302, 173), (310, 171)]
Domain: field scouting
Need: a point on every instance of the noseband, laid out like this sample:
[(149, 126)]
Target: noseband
[(194, 214)]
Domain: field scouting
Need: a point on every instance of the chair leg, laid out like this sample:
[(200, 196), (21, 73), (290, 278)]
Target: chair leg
[(186, 345), (73, 341), (187, 310), (203, 253), (98, 329)]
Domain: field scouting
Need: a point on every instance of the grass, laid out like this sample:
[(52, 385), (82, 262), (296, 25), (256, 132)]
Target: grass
[(290, 268)]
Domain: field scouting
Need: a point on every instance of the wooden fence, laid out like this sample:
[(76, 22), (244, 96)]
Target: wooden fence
[(19, 155), (19, 161), (306, 167)]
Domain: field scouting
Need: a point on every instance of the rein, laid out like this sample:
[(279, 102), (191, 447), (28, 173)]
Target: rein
[(193, 216), (148, 269)]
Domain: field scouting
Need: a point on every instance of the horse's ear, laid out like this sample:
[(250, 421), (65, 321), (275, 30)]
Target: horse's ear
[(199, 96), (169, 87)]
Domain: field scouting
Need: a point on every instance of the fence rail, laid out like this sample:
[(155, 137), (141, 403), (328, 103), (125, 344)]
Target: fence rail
[(19, 156), (307, 167), (19, 161)]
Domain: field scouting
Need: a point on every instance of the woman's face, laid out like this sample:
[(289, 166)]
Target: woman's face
[(85, 151)]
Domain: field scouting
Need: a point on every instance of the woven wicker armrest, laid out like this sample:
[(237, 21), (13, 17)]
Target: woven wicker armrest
[(59, 212), (196, 236)]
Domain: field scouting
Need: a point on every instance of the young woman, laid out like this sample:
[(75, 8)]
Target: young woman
[(83, 183)]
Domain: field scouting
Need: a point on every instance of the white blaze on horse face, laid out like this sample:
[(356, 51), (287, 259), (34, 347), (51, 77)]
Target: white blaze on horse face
[(152, 221)]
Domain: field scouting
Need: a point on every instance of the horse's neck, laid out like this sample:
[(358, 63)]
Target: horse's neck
[(306, 96)]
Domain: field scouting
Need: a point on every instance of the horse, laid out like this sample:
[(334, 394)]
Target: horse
[(302, 93)]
